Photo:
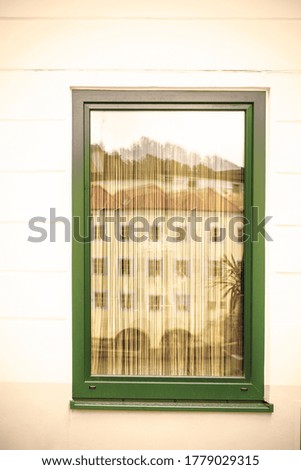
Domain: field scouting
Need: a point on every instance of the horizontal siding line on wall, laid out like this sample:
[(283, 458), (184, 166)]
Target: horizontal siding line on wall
[(148, 18), (155, 8), (287, 273), (32, 120), (40, 271), (33, 171), (9, 222), (287, 172), (23, 221), (22, 318), (150, 70), (287, 224), (289, 121)]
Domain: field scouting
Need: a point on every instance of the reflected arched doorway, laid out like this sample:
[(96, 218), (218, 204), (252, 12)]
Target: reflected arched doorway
[(177, 352), (131, 348)]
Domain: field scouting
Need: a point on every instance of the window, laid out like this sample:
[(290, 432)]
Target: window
[(212, 304), (240, 234), (215, 235), (154, 267), (182, 267), (154, 302), (217, 268), (126, 301), (100, 266), (125, 233), (183, 302), (149, 158), (125, 267), (154, 233), (101, 300), (99, 232)]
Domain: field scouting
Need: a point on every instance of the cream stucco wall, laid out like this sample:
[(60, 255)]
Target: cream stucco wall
[(47, 48)]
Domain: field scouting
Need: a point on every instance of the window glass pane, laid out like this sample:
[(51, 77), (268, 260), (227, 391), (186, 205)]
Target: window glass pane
[(100, 266), (101, 300), (125, 267), (154, 267), (154, 233), (182, 267), (126, 301), (125, 233), (183, 302), (155, 302), (167, 201)]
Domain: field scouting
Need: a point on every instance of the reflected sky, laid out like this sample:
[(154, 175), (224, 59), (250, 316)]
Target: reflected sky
[(207, 133)]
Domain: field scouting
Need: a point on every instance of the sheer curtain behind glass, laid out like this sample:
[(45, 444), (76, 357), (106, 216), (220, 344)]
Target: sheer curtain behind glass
[(166, 243)]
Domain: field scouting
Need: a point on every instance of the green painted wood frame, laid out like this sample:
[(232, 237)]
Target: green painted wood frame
[(107, 392)]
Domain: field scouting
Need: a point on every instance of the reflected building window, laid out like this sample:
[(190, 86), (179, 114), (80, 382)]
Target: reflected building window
[(99, 232), (100, 266), (154, 233), (125, 233), (183, 302), (182, 268), (214, 304), (215, 235), (101, 300), (155, 302), (126, 301), (154, 267), (216, 268), (240, 234), (125, 267)]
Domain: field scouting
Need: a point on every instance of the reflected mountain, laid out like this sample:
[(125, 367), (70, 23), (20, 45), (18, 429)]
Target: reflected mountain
[(148, 159)]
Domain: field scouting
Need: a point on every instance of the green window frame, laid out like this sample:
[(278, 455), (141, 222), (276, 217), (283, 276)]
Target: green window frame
[(170, 393)]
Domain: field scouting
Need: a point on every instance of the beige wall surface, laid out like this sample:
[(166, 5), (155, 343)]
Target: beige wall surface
[(47, 48)]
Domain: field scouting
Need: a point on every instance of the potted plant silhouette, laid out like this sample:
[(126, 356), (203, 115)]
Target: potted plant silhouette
[(231, 283)]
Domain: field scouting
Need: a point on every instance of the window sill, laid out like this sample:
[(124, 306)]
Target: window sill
[(177, 405)]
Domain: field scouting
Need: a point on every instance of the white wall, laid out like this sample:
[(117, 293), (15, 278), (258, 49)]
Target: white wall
[(47, 48)]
